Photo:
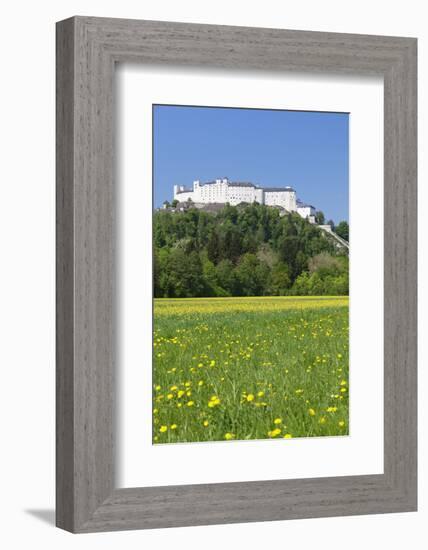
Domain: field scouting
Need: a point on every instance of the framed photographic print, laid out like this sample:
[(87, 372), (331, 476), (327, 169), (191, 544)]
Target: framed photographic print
[(236, 274)]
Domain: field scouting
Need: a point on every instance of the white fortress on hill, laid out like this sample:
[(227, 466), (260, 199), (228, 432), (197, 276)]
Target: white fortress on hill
[(223, 191)]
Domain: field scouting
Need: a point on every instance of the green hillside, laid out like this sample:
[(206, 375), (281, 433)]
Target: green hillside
[(248, 250)]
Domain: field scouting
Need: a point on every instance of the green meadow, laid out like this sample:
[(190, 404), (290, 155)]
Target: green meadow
[(250, 368)]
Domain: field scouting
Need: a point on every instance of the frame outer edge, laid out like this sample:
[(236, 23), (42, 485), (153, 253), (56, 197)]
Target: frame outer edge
[(65, 57), (400, 314)]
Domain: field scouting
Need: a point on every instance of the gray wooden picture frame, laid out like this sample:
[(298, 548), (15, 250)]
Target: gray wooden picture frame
[(87, 50)]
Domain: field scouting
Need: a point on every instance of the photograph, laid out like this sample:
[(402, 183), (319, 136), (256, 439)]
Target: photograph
[(250, 274)]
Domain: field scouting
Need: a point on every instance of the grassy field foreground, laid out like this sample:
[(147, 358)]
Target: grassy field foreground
[(250, 368)]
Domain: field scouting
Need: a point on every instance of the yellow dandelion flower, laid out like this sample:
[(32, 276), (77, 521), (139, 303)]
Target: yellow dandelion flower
[(158, 388), (173, 426), (311, 412), (299, 391), (331, 409), (173, 388), (205, 423), (260, 394), (214, 401), (322, 420), (180, 393), (277, 421), (190, 403), (343, 382), (343, 390), (250, 397), (288, 436), (170, 396), (163, 429), (155, 411), (341, 424), (274, 433), (212, 363), (228, 436), (200, 383)]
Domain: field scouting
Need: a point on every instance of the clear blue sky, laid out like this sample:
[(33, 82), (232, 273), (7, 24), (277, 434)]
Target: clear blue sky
[(306, 150)]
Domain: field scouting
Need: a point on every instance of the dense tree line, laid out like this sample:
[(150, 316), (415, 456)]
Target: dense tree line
[(248, 250)]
